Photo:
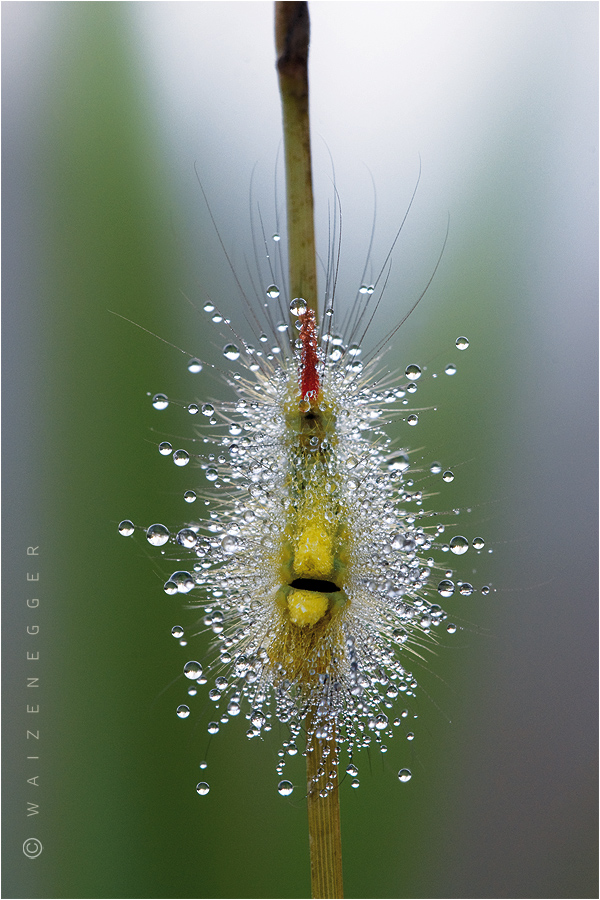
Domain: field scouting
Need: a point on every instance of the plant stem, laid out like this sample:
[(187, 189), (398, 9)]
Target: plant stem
[(292, 33), (324, 821)]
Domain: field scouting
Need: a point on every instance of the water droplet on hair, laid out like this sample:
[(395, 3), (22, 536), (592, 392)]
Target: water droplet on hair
[(211, 474), (478, 543), (435, 468), (285, 788), (165, 448), (177, 631), (208, 409), (183, 581), (213, 728), (183, 711), (459, 545), (157, 535), (126, 528), (413, 419), (448, 476), (230, 351), (273, 292), (192, 670), (450, 370), (181, 457), (203, 788), (193, 409), (451, 628), (445, 588), (404, 775), (194, 366), (160, 401), (413, 372), (298, 306), (189, 496), (462, 343), (209, 307), (276, 237)]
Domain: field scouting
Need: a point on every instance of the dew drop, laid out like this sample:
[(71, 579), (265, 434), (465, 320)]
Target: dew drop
[(451, 628), (209, 307), (413, 419), (276, 237), (193, 409), (187, 537), (445, 588), (181, 457), (160, 401), (410, 736), (404, 775), (194, 366), (126, 528), (352, 770), (298, 306), (448, 476), (285, 788), (165, 448), (478, 543), (183, 581), (435, 468), (485, 590), (177, 631), (450, 370), (459, 545), (462, 343), (157, 535), (208, 409), (213, 728), (413, 372), (273, 291), (230, 351), (189, 496), (203, 788), (211, 474), (183, 711), (192, 670), (170, 588)]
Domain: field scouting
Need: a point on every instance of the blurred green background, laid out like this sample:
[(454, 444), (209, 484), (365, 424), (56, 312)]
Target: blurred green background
[(106, 109)]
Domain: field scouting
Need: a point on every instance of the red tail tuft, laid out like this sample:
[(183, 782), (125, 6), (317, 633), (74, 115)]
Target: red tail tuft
[(309, 375)]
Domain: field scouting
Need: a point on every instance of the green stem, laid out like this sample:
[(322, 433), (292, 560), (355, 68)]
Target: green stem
[(292, 32)]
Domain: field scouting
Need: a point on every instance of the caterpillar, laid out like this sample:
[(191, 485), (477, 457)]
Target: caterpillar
[(316, 565)]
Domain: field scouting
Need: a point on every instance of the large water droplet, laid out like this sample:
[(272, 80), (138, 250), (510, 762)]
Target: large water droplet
[(211, 474), (184, 581), (273, 290), (466, 589), (126, 528), (413, 372), (189, 496), (177, 631), (157, 535), (450, 370), (160, 401), (183, 711), (285, 788), (298, 306), (230, 351), (192, 670), (462, 343), (194, 366), (165, 448), (478, 543), (203, 788), (459, 545), (413, 419), (404, 775), (181, 457), (208, 409), (446, 588), (448, 476)]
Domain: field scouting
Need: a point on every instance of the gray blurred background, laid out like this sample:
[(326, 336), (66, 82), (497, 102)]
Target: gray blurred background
[(107, 107)]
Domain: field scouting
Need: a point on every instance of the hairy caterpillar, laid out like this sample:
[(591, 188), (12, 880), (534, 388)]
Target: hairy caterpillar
[(318, 566)]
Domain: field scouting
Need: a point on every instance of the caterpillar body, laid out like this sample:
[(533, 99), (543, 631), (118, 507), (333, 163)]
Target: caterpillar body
[(314, 566)]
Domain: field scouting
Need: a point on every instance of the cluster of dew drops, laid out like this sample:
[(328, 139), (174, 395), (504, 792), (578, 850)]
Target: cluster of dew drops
[(182, 582)]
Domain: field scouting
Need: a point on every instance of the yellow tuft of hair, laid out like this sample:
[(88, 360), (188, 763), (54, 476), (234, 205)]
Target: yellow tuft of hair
[(314, 550), (306, 607)]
